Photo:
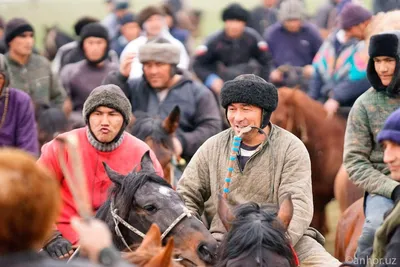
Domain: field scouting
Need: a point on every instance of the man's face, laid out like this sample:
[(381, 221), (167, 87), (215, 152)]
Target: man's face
[(391, 157), (22, 44), (234, 28), (384, 67), (357, 31), (241, 115), (157, 74), (105, 123), (154, 25), (293, 25), (130, 31), (94, 48)]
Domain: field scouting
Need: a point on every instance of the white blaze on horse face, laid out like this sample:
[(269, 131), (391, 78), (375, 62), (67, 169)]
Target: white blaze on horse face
[(165, 191)]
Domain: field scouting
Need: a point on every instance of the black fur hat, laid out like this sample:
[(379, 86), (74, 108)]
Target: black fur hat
[(251, 89), (384, 44), (235, 12)]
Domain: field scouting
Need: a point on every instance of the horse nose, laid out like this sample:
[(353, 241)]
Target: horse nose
[(207, 252)]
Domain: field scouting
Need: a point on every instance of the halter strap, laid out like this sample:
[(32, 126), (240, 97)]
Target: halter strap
[(117, 219)]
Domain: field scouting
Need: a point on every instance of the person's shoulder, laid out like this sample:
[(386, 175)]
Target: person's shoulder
[(285, 139), (214, 37), (252, 33), (20, 96), (39, 60), (134, 142), (133, 45), (218, 140), (310, 27), (272, 30)]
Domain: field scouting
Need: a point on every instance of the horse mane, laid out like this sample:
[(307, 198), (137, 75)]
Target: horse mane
[(150, 126), (255, 228), (129, 186)]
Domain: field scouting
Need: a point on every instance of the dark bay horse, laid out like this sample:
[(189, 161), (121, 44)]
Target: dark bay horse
[(141, 198), (256, 235), (348, 231), (323, 137), (158, 135), (54, 38)]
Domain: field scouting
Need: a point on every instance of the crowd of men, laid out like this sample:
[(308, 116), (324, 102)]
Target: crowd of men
[(132, 62)]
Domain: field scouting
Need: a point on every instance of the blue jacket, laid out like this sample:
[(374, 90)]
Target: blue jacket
[(296, 49)]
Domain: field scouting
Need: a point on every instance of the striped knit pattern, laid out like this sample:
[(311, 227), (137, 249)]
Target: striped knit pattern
[(103, 147)]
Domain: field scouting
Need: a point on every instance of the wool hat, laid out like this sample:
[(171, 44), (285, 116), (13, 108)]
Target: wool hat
[(291, 9), (82, 22), (110, 96), (16, 27), (391, 129), (127, 18), (160, 50), (235, 12), (384, 44), (120, 4), (146, 13), (352, 15), (93, 29), (251, 89)]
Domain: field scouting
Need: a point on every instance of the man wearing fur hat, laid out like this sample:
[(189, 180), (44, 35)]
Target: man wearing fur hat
[(363, 155), (31, 72), (81, 77), (271, 163), (232, 51), (153, 23), (107, 113), (162, 87)]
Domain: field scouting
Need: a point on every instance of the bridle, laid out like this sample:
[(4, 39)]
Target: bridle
[(117, 220)]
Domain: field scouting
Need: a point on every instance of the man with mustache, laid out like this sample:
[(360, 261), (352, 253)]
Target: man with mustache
[(270, 164), (107, 113), (363, 155)]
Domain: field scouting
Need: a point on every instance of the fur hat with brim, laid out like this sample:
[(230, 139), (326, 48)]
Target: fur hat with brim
[(160, 50), (110, 96)]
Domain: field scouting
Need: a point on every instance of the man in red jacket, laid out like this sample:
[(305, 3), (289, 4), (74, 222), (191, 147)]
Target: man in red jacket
[(106, 112)]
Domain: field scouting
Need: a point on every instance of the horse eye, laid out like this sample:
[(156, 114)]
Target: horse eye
[(150, 208)]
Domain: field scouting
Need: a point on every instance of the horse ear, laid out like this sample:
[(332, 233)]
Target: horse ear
[(146, 162), (225, 212), (285, 212), (151, 240), (171, 123), (114, 176), (164, 257)]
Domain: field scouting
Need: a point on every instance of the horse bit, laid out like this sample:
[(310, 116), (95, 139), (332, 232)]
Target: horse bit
[(117, 219)]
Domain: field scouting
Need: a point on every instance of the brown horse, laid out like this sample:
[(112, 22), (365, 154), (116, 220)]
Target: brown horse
[(323, 137), (346, 192), (150, 253), (348, 231), (158, 135)]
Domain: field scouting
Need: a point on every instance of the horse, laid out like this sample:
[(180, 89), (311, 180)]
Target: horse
[(54, 38), (150, 253), (158, 134), (138, 199), (256, 236), (348, 231), (323, 137), (346, 192)]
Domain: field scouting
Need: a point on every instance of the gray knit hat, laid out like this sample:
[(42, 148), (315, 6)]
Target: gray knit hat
[(110, 96), (291, 9), (160, 50)]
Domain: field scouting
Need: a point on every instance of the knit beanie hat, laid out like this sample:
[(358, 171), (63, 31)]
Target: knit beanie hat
[(120, 4), (127, 18), (16, 27), (352, 15), (235, 12), (291, 9), (146, 13), (82, 22), (110, 96), (251, 89), (160, 50), (391, 129)]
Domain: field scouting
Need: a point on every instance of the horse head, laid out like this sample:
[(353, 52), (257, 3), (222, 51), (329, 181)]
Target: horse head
[(256, 235), (141, 198), (158, 134), (53, 39)]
